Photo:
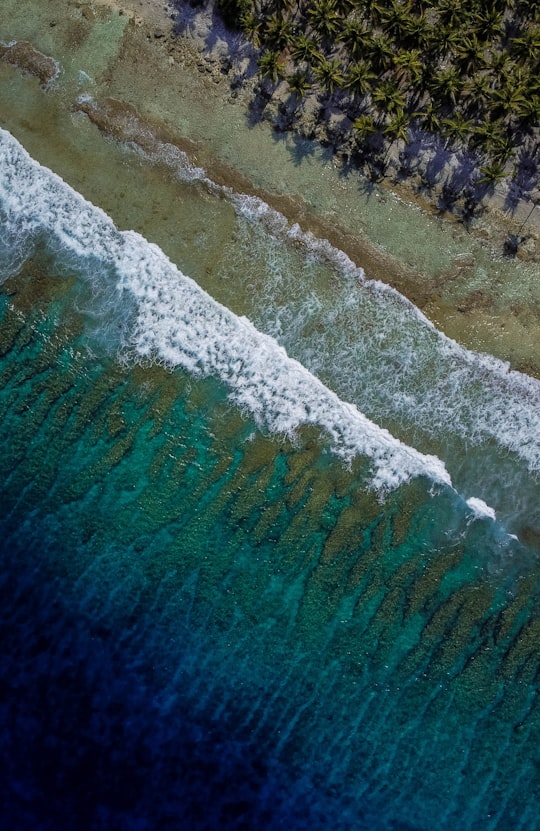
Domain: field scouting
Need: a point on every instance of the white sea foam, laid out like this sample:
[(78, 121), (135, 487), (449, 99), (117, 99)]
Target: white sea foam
[(481, 509), (177, 323), (472, 395), (419, 375)]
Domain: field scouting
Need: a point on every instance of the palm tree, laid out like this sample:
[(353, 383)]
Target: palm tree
[(397, 127), (488, 23), (500, 62), (530, 112), (445, 85), (382, 53), (451, 14), (345, 6), (442, 40), (491, 136), (299, 84), (303, 48), (408, 67), (527, 47), (373, 10), (395, 18), (278, 32), (509, 101), (470, 54), (251, 25), (457, 128), (416, 30), (329, 74), (359, 79), (270, 65), (389, 97), (356, 38), (405, 55), (491, 174), (530, 10), (277, 6), (364, 126), (324, 17), (477, 90), (430, 118)]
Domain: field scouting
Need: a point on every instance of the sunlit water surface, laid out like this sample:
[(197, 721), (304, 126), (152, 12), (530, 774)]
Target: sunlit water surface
[(269, 553)]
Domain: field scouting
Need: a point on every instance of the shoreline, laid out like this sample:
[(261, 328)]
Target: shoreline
[(151, 40), (522, 220), (226, 55)]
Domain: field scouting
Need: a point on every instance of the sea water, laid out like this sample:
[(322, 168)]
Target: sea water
[(269, 539), (268, 560)]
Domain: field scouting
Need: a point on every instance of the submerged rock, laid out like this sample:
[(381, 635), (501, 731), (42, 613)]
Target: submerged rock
[(23, 55)]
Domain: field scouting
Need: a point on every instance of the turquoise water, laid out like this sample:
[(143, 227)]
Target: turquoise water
[(231, 598)]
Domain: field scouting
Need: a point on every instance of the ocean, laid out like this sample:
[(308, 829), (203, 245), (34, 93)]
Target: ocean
[(269, 538)]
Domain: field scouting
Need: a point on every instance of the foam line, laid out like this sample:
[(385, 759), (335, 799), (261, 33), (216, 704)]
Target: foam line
[(179, 324), (480, 509), (472, 394), (500, 404)]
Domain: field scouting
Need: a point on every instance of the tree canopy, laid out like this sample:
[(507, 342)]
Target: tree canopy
[(466, 69)]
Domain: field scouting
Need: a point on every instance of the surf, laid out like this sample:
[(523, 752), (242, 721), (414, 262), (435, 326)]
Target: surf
[(177, 323), (411, 371)]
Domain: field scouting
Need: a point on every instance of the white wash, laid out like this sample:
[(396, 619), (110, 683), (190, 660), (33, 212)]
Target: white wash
[(176, 322)]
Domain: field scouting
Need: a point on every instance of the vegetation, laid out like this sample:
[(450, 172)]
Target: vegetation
[(468, 70)]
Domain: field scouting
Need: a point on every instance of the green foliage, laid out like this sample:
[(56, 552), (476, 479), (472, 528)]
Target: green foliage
[(408, 67), (397, 127), (389, 97), (429, 118), (304, 48), (456, 128), (359, 78), (278, 32), (466, 69), (270, 65), (324, 17), (445, 85), (299, 84), (329, 74), (491, 174), (356, 38), (364, 126)]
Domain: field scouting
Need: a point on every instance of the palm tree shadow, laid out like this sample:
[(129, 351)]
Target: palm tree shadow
[(184, 16), (525, 180), (238, 55), (435, 167), (347, 167), (256, 109), (301, 149), (366, 186)]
